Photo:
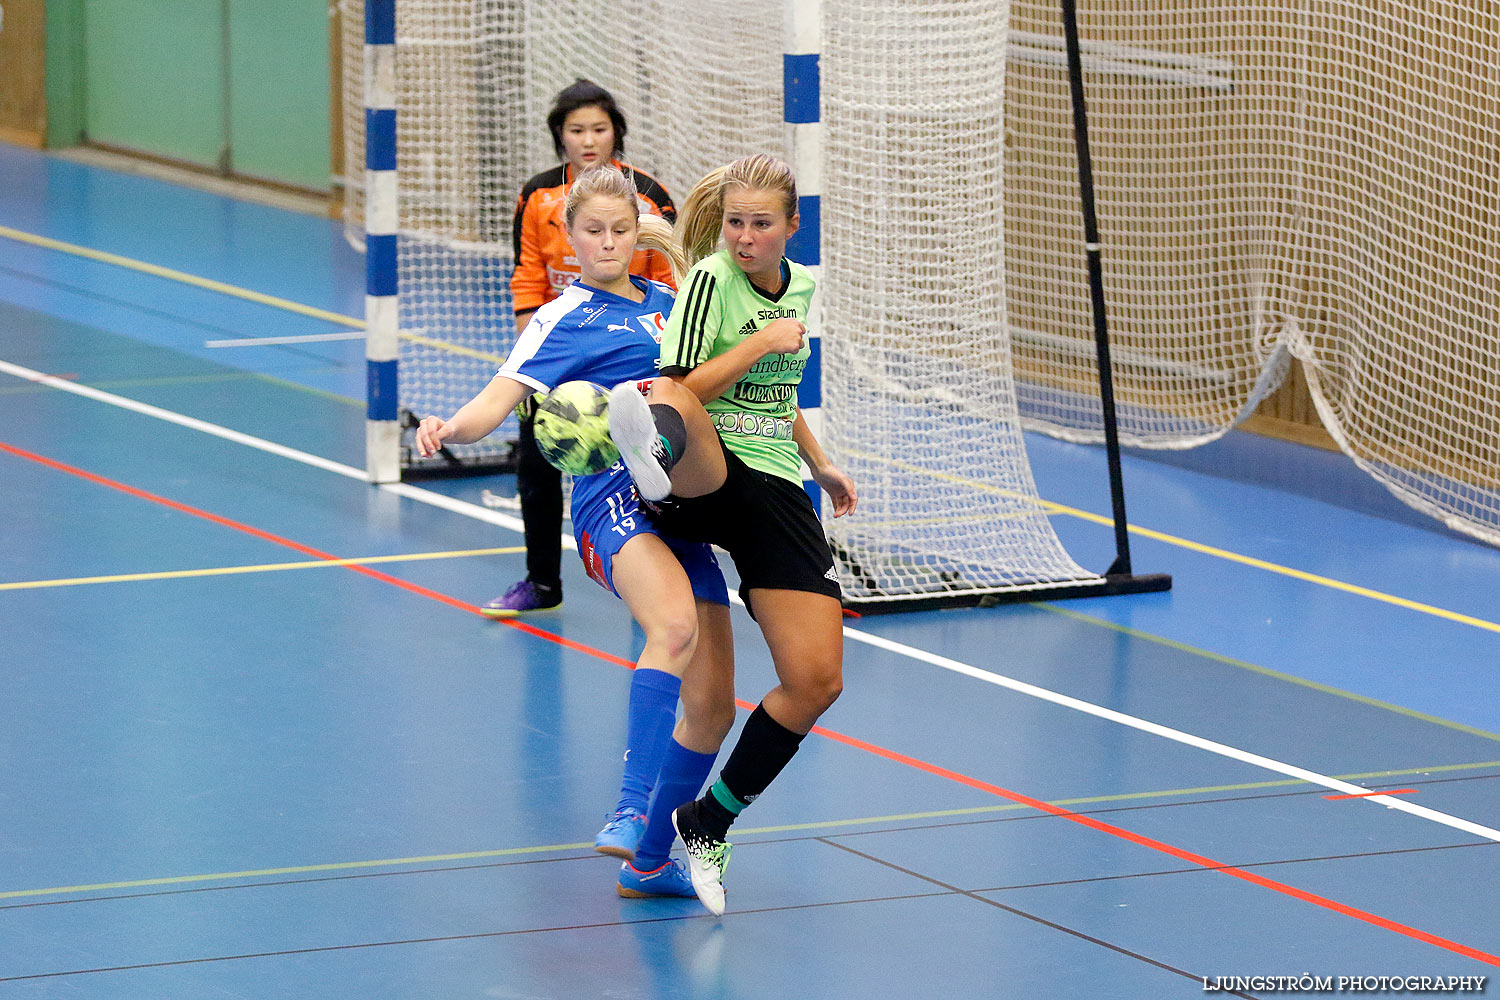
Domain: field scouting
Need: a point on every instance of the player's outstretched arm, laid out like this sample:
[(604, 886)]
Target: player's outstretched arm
[(839, 487), (476, 418)]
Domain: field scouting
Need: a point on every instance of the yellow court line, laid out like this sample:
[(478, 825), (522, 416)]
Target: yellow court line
[(180, 574), (142, 883), (155, 270), (1052, 507), (826, 825), (1120, 797), (1297, 574)]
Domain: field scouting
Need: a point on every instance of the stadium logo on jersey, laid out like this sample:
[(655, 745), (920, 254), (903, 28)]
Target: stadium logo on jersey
[(655, 324)]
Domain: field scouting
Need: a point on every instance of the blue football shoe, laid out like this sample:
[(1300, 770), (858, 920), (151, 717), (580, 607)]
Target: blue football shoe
[(670, 879), (621, 834)]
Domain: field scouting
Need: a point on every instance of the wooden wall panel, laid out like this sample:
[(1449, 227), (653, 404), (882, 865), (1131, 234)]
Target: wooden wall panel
[(23, 104)]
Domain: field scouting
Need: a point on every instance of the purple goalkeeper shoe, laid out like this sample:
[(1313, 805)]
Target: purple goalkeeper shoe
[(521, 598)]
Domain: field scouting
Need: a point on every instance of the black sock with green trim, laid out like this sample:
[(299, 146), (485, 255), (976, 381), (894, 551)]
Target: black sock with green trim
[(764, 748), (672, 431)]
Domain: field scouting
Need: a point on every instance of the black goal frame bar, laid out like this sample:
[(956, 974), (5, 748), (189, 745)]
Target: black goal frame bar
[(1119, 574)]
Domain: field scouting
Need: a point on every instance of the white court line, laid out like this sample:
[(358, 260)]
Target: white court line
[(305, 338), (1020, 687), (1167, 732), (463, 507)]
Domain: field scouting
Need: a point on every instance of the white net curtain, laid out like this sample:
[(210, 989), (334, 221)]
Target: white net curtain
[(1318, 180)]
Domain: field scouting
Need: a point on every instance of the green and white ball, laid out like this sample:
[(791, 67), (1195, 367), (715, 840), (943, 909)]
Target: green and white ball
[(572, 429)]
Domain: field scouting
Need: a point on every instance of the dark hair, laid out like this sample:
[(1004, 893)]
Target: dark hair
[(582, 94)]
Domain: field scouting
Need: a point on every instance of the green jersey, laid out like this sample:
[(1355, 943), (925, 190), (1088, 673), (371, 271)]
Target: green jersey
[(717, 308)]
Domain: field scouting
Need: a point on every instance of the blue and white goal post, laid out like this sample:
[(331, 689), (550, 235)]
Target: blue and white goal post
[(382, 312), (801, 102)]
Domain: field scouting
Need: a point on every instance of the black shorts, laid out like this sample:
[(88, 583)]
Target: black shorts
[(766, 523)]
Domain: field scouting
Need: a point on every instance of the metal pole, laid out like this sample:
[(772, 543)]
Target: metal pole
[(1121, 565)]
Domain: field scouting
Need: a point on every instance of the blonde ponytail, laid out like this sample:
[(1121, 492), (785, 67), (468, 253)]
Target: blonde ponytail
[(656, 234), (702, 217)]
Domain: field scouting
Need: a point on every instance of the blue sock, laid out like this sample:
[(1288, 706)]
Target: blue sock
[(653, 714), (683, 773)]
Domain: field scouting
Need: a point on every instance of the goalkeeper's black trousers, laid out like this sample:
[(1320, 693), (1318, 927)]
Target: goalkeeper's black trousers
[(539, 486)]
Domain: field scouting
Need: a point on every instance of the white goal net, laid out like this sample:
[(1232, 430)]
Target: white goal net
[(701, 83), (476, 79), (1316, 180), (918, 394)]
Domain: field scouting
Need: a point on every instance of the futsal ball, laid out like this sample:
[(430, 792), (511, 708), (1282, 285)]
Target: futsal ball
[(572, 429)]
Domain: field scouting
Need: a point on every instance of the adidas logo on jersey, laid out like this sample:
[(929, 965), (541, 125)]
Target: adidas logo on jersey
[(832, 574)]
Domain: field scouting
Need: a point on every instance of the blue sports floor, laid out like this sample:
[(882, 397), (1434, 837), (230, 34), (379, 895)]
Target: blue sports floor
[(255, 740)]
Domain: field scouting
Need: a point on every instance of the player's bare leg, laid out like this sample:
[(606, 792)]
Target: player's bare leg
[(804, 632)]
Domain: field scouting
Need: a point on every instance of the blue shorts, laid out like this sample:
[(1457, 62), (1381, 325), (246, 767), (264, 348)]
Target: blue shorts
[(608, 520)]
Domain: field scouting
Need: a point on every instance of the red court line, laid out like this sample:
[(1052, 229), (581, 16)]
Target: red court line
[(1367, 795), (1176, 852), (308, 550), (934, 769)]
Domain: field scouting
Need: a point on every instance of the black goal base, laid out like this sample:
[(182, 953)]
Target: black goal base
[(1108, 586), (447, 464)]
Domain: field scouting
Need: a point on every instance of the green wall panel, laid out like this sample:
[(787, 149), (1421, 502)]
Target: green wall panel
[(65, 89), (278, 90), (237, 85), (154, 77)]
